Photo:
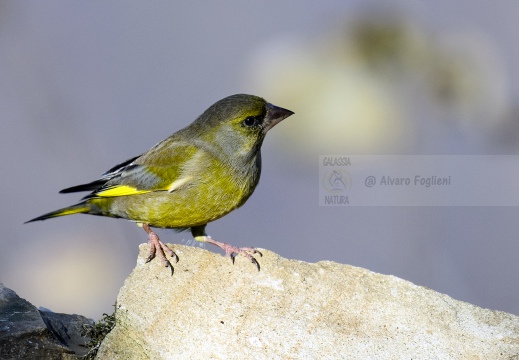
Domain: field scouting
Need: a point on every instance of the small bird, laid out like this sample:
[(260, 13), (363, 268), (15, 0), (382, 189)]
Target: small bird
[(195, 176)]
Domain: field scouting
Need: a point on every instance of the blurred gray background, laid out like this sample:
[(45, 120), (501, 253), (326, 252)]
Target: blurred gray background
[(85, 85)]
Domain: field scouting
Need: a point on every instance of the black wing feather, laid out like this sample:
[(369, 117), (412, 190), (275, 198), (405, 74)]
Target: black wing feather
[(94, 185), (118, 168), (97, 184)]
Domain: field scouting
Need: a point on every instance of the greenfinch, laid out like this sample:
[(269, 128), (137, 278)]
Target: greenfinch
[(195, 176)]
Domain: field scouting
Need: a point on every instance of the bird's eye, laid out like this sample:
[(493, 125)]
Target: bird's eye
[(250, 121)]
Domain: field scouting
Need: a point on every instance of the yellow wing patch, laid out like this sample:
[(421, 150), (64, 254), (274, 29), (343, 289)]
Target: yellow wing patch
[(125, 190), (121, 190)]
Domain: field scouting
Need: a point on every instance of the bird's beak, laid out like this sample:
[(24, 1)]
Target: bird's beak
[(274, 115)]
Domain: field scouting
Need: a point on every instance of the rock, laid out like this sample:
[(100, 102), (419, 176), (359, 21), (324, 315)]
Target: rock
[(210, 309), (67, 329), (26, 333)]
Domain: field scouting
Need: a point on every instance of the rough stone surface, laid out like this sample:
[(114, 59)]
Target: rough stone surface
[(27, 333), (67, 329), (210, 309)]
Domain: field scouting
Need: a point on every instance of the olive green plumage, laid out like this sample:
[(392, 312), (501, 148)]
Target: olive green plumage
[(193, 177)]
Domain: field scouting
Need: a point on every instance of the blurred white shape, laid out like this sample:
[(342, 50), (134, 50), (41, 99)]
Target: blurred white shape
[(380, 84), (468, 73), (339, 105)]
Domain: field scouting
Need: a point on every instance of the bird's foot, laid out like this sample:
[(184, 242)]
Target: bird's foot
[(158, 248), (232, 251)]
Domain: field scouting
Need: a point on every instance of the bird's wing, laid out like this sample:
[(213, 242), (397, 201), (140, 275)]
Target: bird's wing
[(160, 169)]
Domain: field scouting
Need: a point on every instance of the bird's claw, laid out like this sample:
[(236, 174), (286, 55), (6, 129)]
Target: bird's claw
[(158, 248), (253, 260), (233, 255), (233, 251)]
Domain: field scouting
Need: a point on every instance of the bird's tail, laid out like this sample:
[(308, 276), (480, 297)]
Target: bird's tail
[(80, 208)]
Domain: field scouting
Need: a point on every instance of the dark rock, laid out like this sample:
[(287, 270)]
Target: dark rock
[(26, 333), (67, 329)]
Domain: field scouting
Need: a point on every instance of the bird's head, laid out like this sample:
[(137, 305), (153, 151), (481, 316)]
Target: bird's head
[(237, 124)]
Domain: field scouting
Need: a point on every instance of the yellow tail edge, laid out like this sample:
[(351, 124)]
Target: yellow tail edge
[(74, 209)]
